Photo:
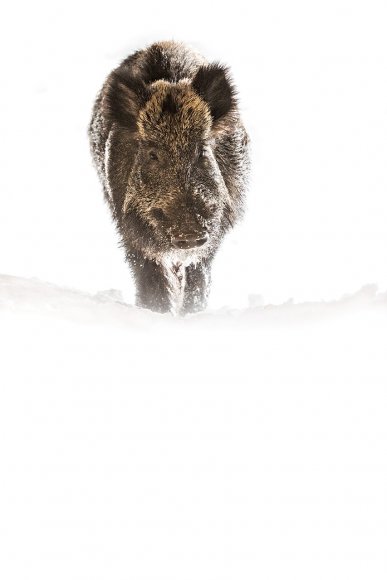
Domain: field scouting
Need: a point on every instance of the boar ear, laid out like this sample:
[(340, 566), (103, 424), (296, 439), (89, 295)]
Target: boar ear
[(213, 85), (124, 97)]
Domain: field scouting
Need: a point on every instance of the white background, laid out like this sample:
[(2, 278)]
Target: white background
[(245, 443)]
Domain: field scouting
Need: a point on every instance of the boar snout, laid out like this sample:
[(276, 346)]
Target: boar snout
[(187, 241), (183, 233)]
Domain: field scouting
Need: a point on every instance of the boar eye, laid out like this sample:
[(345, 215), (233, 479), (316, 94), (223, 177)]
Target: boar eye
[(202, 152), (153, 156)]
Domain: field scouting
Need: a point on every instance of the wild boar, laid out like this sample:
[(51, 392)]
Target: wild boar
[(172, 154)]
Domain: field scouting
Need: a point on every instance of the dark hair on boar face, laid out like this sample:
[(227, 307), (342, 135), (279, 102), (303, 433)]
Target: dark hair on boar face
[(172, 155)]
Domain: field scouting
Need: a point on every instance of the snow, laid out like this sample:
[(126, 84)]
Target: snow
[(248, 441), (33, 297), (237, 442)]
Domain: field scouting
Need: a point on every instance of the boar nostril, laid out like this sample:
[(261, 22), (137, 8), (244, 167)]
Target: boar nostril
[(184, 242)]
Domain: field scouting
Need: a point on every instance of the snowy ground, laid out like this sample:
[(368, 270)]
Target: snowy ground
[(232, 444), (248, 442)]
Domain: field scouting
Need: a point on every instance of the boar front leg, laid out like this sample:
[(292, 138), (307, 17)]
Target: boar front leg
[(197, 286), (151, 285)]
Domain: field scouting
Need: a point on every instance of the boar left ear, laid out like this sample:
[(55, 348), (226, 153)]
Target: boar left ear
[(212, 83)]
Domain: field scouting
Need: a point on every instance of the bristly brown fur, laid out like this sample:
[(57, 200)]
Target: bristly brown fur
[(172, 155), (174, 114)]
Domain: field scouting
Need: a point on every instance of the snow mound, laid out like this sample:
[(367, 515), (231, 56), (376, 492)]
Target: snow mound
[(34, 297), (137, 445)]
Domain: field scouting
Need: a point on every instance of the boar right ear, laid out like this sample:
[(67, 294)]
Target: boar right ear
[(124, 97), (212, 83)]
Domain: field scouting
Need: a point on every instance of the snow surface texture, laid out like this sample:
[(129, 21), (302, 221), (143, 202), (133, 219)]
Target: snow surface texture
[(34, 297), (232, 444), (248, 442)]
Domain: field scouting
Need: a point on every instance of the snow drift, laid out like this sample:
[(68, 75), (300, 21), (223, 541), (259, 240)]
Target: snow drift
[(32, 296), (145, 446)]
